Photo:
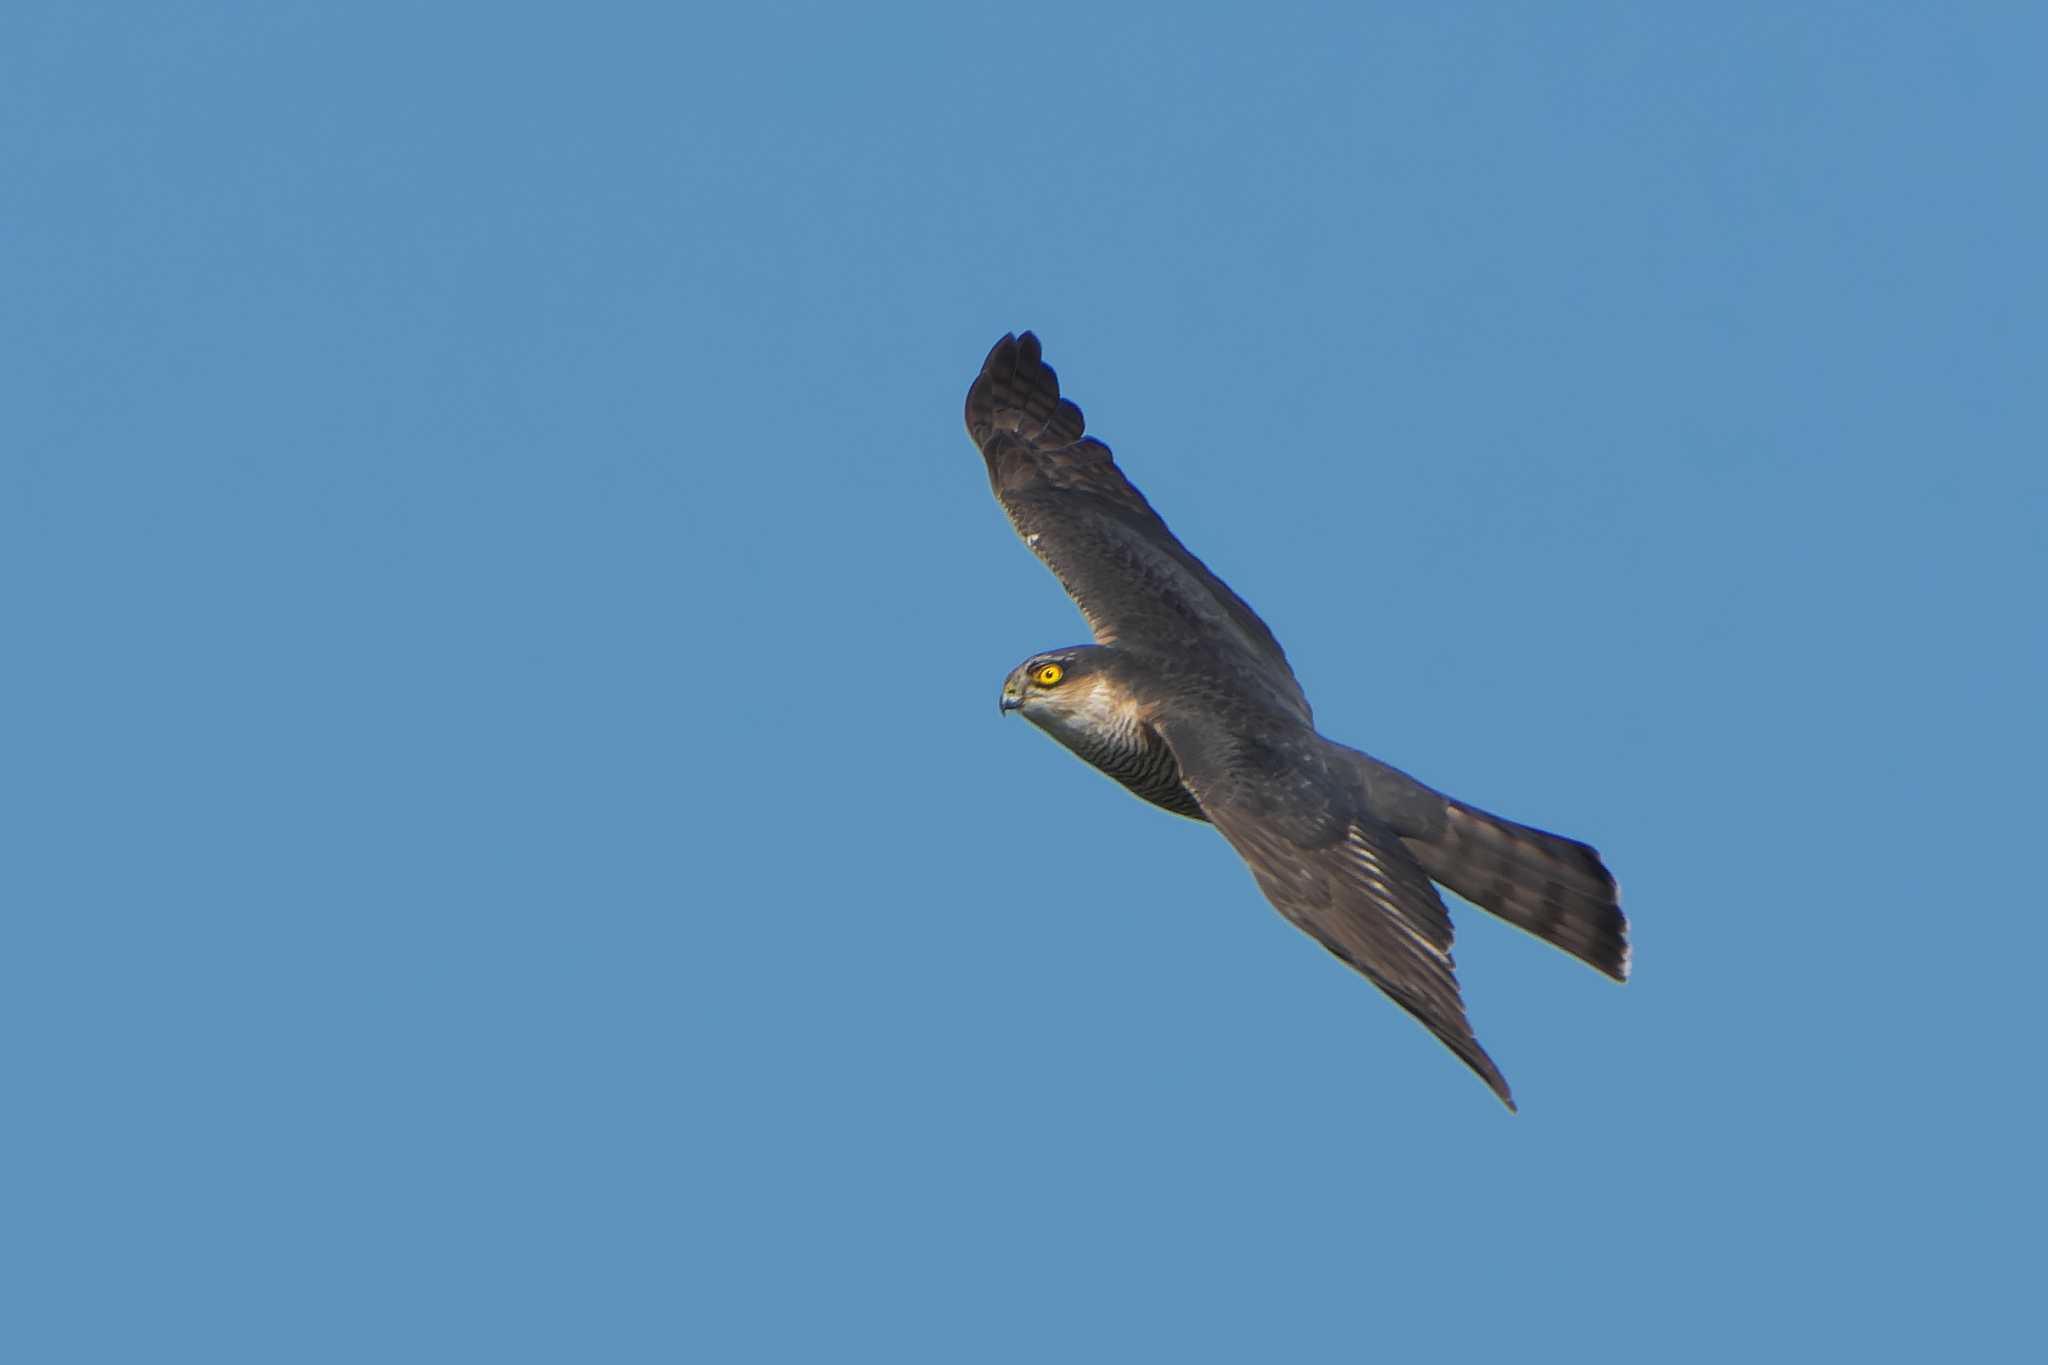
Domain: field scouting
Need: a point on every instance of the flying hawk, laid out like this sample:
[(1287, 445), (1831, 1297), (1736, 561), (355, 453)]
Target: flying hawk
[(1186, 698)]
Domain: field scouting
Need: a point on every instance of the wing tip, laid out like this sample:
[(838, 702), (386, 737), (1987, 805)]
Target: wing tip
[(1484, 1065), (1017, 391)]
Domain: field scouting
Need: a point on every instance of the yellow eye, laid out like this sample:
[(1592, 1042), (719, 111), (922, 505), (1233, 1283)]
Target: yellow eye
[(1048, 674)]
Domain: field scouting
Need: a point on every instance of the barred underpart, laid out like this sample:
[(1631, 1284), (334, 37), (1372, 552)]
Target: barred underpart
[(1132, 754)]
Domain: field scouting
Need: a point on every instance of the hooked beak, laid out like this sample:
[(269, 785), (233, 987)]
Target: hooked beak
[(1013, 698)]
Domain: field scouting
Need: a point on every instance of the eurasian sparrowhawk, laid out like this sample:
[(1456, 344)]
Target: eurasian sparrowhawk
[(1186, 698)]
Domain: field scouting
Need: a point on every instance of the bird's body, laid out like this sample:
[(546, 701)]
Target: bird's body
[(1187, 700)]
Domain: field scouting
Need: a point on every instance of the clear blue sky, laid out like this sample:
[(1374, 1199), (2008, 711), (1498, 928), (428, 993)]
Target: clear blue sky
[(512, 854)]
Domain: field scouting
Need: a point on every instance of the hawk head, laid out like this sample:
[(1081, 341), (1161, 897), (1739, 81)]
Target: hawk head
[(1059, 686), (1084, 698), (1079, 696), (1088, 698)]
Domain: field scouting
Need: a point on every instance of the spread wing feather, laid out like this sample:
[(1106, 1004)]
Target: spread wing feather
[(1136, 584), (1331, 868)]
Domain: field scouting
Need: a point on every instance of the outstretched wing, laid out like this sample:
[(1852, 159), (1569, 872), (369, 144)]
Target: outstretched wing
[(1326, 863), (1135, 583)]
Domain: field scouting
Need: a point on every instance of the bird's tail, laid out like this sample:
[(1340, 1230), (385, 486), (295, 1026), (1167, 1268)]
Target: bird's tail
[(1554, 887)]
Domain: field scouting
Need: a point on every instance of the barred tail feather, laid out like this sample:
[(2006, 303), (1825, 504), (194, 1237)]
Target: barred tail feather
[(1554, 887)]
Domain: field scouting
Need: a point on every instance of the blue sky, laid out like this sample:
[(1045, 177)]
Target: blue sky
[(513, 854)]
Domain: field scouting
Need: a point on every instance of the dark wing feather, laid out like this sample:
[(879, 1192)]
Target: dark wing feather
[(1135, 583), (1330, 867)]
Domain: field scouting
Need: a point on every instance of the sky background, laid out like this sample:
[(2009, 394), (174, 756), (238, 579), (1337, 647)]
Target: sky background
[(511, 853)]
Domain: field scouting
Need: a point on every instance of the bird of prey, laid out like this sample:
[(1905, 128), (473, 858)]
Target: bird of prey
[(1186, 698)]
